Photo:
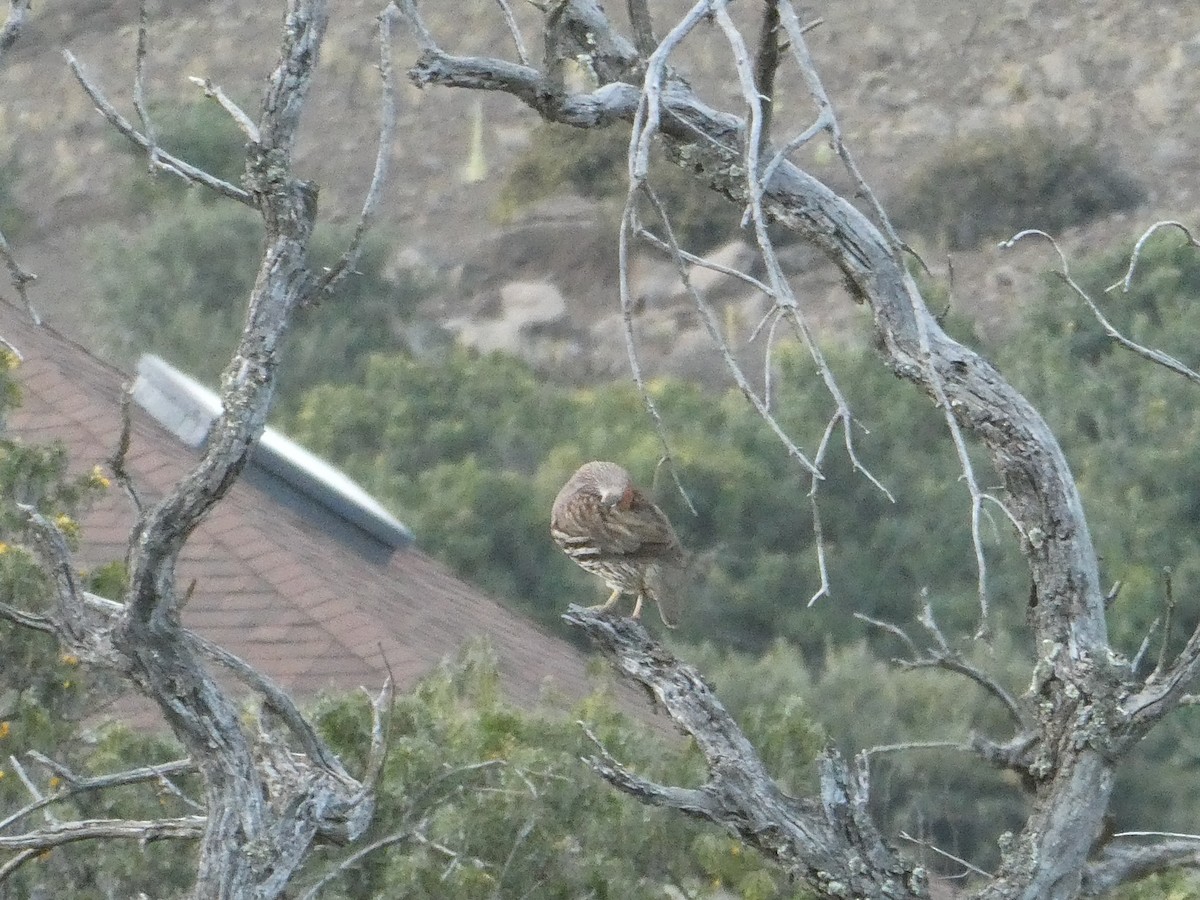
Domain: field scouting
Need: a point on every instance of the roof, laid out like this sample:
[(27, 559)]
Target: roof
[(293, 573)]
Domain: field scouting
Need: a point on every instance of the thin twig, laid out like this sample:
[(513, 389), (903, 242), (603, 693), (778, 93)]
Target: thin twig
[(387, 128), (38, 797), (819, 540), (1168, 616), (704, 262), (890, 629), (799, 48), (775, 315), (1141, 653), (139, 91), (116, 462), (27, 619), (512, 853), (277, 700), (946, 658), (182, 827), (239, 116), (766, 63), (163, 160), (643, 27), (1125, 283), (17, 861), (918, 745), (405, 834), (713, 327), (52, 546), (1166, 834), (75, 785), (1156, 356), (628, 224), (950, 856)]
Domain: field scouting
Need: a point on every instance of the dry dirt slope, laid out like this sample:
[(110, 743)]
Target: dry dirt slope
[(906, 75)]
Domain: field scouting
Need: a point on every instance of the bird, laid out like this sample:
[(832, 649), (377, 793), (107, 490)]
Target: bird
[(611, 529)]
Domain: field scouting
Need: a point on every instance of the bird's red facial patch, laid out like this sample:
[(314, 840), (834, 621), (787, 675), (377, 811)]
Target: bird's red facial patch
[(626, 500)]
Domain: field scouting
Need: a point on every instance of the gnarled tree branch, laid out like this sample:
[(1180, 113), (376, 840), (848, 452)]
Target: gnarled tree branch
[(830, 842)]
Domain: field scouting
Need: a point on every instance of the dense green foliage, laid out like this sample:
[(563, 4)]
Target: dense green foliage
[(504, 808), (991, 185), (476, 488), (45, 695), (181, 285), (42, 696)]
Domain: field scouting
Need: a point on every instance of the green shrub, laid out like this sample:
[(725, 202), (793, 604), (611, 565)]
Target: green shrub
[(988, 186), (199, 133), (179, 287)]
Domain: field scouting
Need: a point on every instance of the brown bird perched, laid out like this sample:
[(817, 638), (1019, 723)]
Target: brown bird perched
[(610, 528)]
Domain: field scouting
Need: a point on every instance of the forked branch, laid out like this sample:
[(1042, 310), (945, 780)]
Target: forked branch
[(818, 839)]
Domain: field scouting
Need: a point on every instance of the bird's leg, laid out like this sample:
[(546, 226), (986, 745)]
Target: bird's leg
[(637, 607), (610, 602)]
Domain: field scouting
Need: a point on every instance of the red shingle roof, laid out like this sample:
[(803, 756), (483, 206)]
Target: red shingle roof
[(271, 587)]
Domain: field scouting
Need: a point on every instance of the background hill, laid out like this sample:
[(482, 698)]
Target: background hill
[(910, 80)]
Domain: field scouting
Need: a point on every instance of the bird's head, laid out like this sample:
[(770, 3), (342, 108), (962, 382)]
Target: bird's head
[(616, 497), (612, 484)]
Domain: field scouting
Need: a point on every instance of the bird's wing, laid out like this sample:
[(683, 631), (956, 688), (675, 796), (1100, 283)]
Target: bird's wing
[(641, 530)]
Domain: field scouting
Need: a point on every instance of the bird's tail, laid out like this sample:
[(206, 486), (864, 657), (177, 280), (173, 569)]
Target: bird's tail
[(670, 584)]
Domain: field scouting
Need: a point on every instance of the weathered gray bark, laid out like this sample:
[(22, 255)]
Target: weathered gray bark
[(1083, 708), (832, 841)]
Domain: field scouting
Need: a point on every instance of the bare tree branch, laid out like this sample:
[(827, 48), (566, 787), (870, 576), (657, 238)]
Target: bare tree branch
[(511, 21), (116, 462), (139, 88), (243, 121), (950, 856), (811, 838), (160, 159), (74, 785), (257, 792), (184, 827), (1168, 620), (766, 63), (1156, 356), (643, 27), (1159, 696), (944, 657), (387, 128), (1127, 282)]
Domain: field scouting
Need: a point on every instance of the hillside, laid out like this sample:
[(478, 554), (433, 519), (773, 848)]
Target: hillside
[(906, 77)]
